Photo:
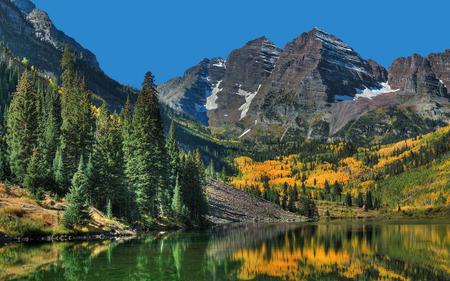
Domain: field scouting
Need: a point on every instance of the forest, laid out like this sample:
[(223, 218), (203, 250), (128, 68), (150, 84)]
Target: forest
[(374, 177), (55, 140)]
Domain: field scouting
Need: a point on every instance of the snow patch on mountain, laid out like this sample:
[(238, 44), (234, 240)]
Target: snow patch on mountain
[(220, 63), (332, 41), (212, 98), (248, 100), (370, 93)]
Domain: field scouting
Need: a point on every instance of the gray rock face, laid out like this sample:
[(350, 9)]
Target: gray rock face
[(440, 64), (415, 75), (29, 32), (312, 70), (217, 92), (313, 88), (189, 94), (246, 70)]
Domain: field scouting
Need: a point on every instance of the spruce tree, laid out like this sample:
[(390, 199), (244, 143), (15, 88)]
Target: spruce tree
[(146, 169), (369, 203), (178, 208), (59, 174), (348, 199), (173, 152), (22, 126), (191, 181), (78, 210), (32, 179), (77, 127), (106, 169), (327, 188), (359, 200)]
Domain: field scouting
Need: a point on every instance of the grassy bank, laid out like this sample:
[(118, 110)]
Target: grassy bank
[(22, 216)]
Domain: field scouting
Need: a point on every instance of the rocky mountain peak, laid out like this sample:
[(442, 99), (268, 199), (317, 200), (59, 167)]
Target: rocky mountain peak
[(415, 75)]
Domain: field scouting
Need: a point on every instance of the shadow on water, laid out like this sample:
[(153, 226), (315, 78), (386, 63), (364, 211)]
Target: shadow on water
[(250, 252)]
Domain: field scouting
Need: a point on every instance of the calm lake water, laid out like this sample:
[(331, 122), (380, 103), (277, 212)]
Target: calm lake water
[(371, 251)]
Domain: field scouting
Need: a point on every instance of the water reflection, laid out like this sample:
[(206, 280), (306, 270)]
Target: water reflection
[(256, 252)]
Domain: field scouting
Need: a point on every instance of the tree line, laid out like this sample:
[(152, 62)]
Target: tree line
[(54, 140)]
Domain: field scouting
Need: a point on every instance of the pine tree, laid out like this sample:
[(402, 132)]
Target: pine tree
[(48, 135), (337, 190), (369, 203), (105, 167), (32, 178), (178, 208), (109, 212), (77, 127), (22, 126), (78, 210), (191, 181), (59, 175), (146, 168), (173, 152), (359, 200), (348, 199)]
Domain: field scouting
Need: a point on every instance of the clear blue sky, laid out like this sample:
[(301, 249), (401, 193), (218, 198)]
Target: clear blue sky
[(167, 36)]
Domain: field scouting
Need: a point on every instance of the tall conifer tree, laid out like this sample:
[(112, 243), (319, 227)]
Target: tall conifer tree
[(77, 128), (22, 126)]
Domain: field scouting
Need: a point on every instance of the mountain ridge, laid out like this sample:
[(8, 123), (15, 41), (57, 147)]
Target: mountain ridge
[(315, 87)]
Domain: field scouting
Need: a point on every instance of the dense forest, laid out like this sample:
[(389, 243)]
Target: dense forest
[(53, 139), (409, 173)]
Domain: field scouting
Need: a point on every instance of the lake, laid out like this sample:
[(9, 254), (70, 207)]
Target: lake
[(338, 251)]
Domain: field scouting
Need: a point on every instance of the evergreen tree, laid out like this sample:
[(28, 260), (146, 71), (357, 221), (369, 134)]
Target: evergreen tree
[(173, 152), (146, 168), (77, 127), (22, 126), (109, 211), (359, 200), (78, 210), (369, 203), (327, 188), (59, 171), (32, 178), (48, 135), (178, 208), (337, 190), (191, 181), (105, 169), (348, 199)]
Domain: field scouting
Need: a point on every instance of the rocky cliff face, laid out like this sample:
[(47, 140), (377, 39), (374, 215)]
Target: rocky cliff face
[(415, 75), (313, 70), (246, 69), (28, 32), (315, 87), (196, 91), (218, 92)]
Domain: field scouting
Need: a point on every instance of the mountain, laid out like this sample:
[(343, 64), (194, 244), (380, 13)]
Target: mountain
[(29, 33), (316, 87)]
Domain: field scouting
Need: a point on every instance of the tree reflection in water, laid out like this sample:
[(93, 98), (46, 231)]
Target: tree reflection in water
[(371, 251)]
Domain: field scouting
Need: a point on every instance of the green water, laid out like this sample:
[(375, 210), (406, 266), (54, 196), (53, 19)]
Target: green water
[(372, 251)]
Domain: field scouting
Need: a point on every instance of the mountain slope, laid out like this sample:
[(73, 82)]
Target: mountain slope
[(28, 32), (411, 172)]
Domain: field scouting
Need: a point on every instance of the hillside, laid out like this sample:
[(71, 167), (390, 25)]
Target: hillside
[(24, 216), (228, 204), (412, 173)]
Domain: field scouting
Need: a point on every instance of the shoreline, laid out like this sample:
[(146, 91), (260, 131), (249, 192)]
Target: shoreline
[(80, 237)]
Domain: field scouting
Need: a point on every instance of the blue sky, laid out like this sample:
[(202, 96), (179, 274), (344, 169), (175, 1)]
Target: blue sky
[(168, 36)]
